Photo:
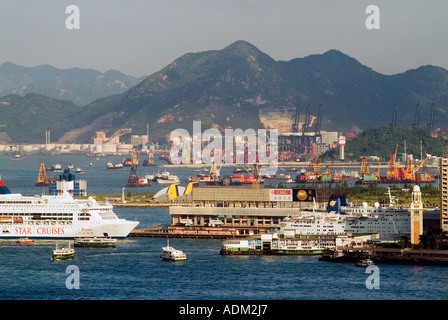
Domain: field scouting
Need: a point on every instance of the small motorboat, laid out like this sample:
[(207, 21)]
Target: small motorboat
[(25, 240), (364, 263)]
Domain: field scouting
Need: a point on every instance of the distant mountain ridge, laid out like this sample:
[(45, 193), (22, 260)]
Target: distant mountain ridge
[(28, 117), (230, 88), (80, 86)]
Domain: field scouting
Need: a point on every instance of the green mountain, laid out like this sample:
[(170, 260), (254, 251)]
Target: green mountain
[(382, 141), (229, 88), (80, 86), (27, 118)]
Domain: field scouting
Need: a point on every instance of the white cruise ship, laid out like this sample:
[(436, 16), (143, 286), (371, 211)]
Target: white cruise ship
[(341, 219), (59, 216)]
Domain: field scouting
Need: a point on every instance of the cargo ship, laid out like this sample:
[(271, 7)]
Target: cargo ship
[(58, 216), (240, 179), (213, 178)]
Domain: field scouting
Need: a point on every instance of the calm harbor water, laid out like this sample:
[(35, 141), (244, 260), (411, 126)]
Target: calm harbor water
[(134, 270)]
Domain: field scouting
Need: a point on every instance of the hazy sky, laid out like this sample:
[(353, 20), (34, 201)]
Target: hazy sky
[(139, 37)]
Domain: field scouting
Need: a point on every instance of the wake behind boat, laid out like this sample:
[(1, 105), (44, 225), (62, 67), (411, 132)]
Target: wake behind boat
[(59, 216)]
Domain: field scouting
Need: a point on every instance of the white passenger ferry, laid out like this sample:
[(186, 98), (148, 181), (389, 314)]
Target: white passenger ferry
[(341, 219), (59, 216), (170, 254)]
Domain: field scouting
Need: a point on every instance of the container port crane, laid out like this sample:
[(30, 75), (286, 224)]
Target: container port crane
[(295, 125), (394, 116), (364, 174), (349, 134), (417, 115), (318, 124), (301, 139), (42, 179), (412, 176), (377, 171), (392, 172), (431, 117)]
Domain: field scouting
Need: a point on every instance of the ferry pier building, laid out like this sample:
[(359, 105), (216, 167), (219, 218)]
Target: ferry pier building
[(237, 210)]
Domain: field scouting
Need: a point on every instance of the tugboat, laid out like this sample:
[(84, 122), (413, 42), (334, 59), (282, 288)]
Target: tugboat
[(64, 253), (170, 254)]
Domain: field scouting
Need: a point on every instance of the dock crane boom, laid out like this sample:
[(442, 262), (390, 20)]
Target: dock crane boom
[(417, 115), (295, 125), (420, 165)]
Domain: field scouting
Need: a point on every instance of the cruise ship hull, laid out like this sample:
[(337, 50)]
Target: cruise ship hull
[(59, 216), (118, 229)]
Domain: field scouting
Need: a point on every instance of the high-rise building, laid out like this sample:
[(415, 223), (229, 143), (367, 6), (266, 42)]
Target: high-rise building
[(443, 180), (139, 140)]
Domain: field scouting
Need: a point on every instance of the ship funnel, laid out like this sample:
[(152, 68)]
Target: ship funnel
[(335, 204), (4, 189)]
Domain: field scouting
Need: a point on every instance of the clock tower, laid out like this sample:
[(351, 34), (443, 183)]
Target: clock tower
[(416, 216)]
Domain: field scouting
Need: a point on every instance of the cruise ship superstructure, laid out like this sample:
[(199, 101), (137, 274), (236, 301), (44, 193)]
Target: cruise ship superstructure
[(342, 218), (59, 216)]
